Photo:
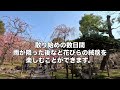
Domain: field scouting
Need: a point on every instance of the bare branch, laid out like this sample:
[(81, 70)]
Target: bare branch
[(62, 31), (116, 27)]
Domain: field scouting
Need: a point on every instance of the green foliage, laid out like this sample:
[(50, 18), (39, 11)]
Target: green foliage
[(98, 41), (90, 23), (2, 29)]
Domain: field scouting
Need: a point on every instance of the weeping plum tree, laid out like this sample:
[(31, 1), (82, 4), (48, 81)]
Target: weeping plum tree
[(62, 32)]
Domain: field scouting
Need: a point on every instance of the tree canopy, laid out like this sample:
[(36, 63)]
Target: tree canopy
[(89, 24), (98, 41), (2, 29)]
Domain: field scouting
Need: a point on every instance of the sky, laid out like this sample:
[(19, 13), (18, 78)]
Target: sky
[(43, 23)]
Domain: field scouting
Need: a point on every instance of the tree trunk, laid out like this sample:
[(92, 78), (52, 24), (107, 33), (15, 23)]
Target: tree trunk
[(109, 27), (90, 72), (66, 70), (22, 66), (3, 56), (105, 58), (93, 61), (55, 67), (12, 61), (108, 69), (104, 62), (72, 70)]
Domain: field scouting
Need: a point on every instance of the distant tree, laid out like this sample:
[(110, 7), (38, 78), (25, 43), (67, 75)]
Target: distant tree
[(62, 31), (2, 28)]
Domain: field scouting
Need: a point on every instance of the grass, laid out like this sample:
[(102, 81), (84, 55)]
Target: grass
[(60, 74), (114, 73), (13, 76), (10, 75)]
